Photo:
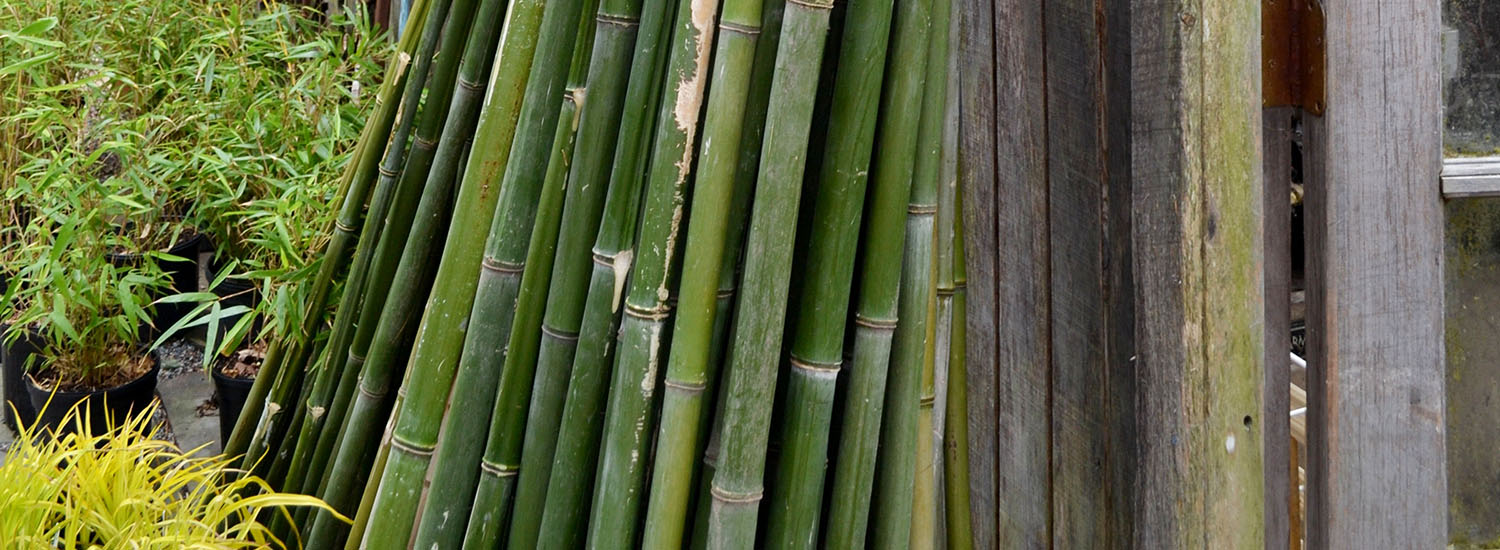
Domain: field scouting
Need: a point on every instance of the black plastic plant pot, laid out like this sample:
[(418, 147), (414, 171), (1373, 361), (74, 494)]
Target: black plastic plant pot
[(183, 276), (114, 403), (230, 395), (13, 358)]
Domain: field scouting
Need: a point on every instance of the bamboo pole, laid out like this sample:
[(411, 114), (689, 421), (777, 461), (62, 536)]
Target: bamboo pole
[(688, 363), (755, 354), (818, 343), (629, 421), (570, 483), (440, 337), (958, 524), (862, 430), (476, 198), (929, 182)]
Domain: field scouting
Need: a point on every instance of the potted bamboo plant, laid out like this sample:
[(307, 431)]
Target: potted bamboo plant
[(87, 313)]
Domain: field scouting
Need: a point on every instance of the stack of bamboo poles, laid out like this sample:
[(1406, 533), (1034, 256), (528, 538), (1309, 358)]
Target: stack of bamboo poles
[(605, 312)]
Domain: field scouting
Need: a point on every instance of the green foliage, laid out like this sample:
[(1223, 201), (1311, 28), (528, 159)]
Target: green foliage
[(129, 125), (124, 489)]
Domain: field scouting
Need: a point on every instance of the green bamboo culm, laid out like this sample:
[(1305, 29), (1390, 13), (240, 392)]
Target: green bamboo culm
[(489, 512), (881, 278), (688, 363), (755, 353), (629, 422), (571, 480), (455, 472), (396, 323), (928, 173), (911, 351), (328, 404), (956, 505), (288, 387), (357, 176), (441, 337), (748, 167), (817, 350), (547, 351), (506, 422)]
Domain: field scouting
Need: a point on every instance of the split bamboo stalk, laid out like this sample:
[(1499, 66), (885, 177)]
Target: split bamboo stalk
[(440, 338), (817, 350), (881, 278), (396, 322), (928, 174), (755, 354), (357, 176), (570, 483), (688, 363), (629, 422)]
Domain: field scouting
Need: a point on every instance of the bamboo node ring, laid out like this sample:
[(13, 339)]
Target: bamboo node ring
[(688, 387), (738, 28), (500, 266), (815, 366), (498, 470), (736, 498), (621, 20), (411, 448), (470, 86), (878, 324), (921, 209), (560, 334)]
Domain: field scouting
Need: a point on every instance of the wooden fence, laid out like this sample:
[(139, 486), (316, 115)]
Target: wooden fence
[(1128, 331)]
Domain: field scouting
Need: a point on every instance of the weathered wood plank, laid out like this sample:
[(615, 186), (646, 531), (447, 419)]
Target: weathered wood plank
[(977, 168), (1375, 305), (1078, 225), (1020, 352), (1199, 272), (1120, 281), (1275, 426)]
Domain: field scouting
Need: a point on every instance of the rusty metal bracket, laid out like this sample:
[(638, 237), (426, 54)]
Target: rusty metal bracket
[(1292, 54)]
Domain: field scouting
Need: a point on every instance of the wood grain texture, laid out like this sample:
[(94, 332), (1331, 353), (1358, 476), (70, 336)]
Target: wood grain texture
[(1078, 224), (1376, 467), (1016, 347), (1121, 457), (1199, 270), (978, 123), (1274, 422)]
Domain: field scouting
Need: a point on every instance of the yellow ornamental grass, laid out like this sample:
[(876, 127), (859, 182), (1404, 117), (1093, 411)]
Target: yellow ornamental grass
[(125, 489)]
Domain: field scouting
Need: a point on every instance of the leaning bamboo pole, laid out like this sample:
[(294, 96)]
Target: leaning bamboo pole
[(357, 178), (476, 199), (755, 353), (817, 350), (959, 527), (629, 420), (688, 363), (569, 484), (881, 277), (439, 342), (928, 182), (506, 423)]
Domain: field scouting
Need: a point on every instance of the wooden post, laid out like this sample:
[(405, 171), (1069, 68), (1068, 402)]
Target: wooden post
[(1198, 248), (1375, 303)]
